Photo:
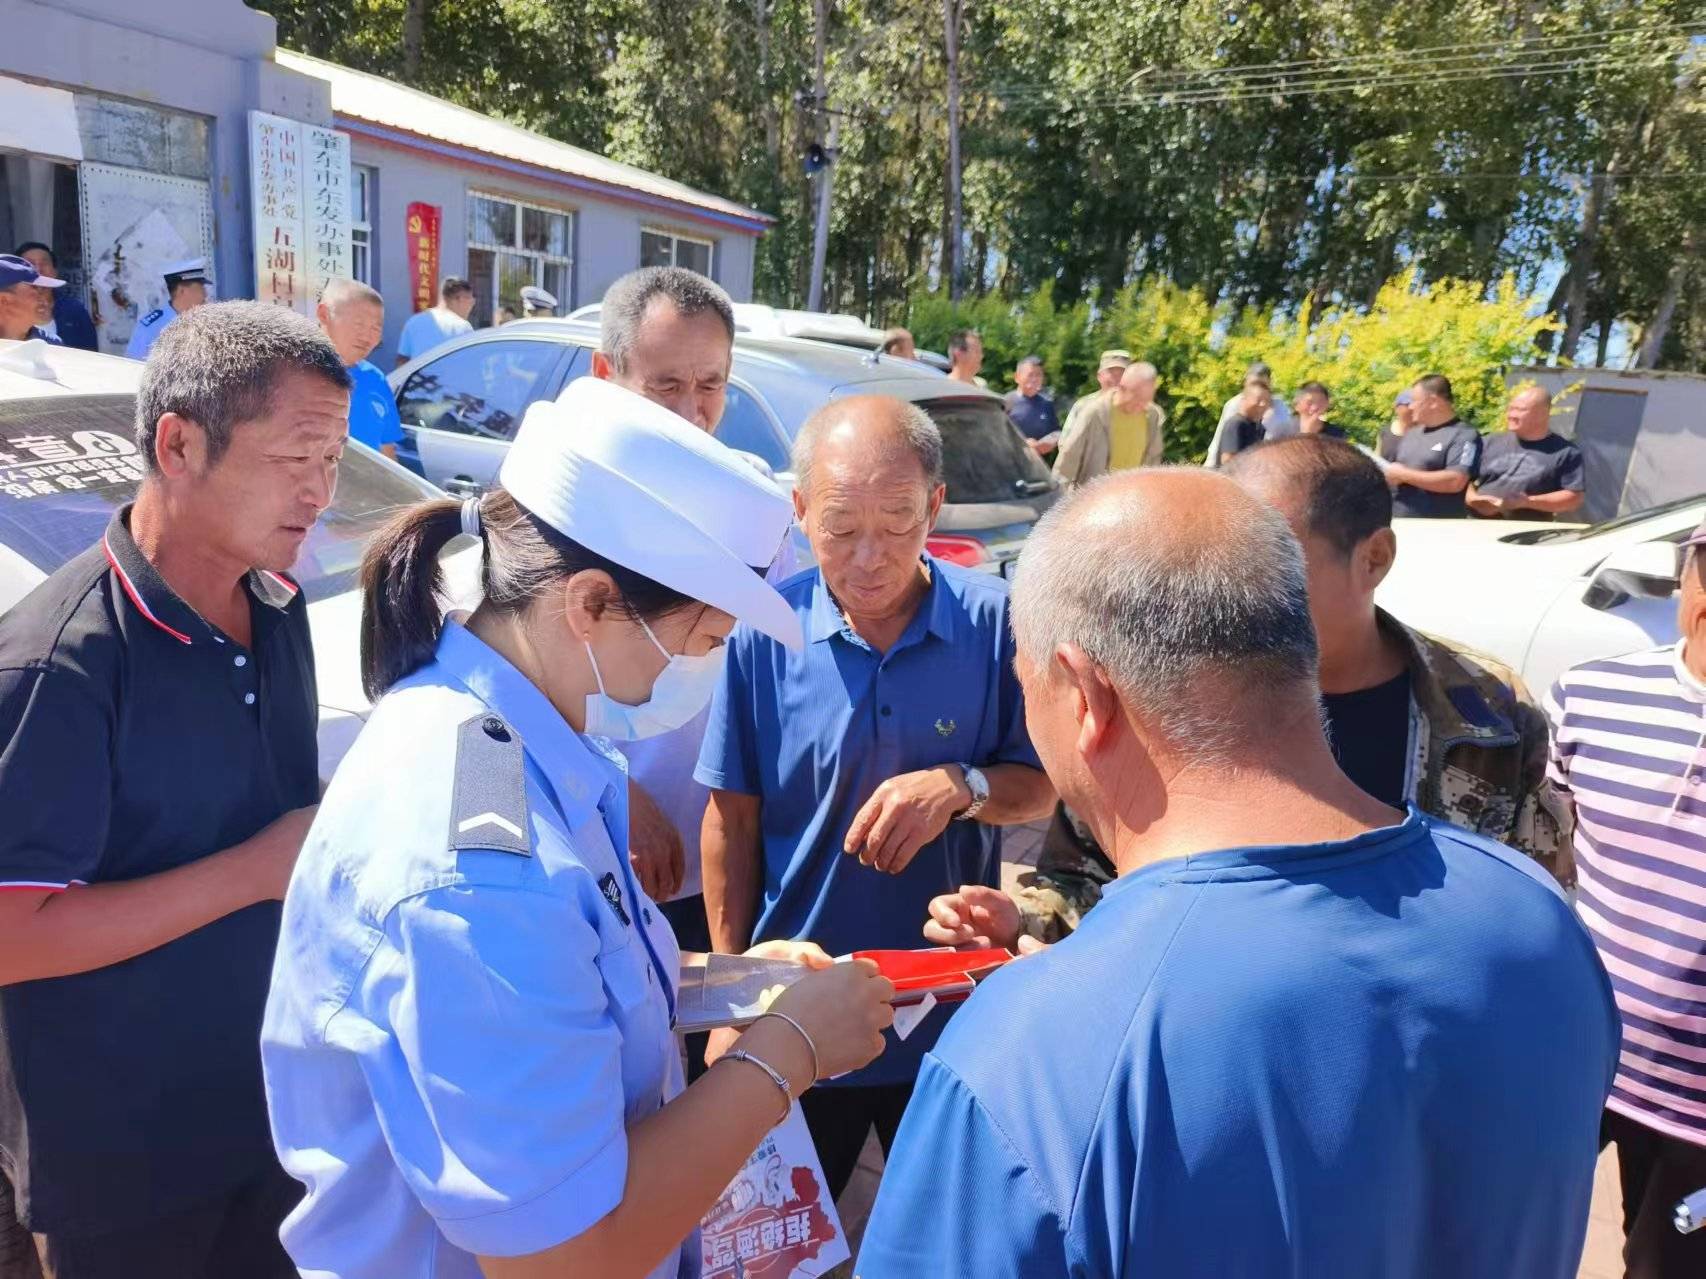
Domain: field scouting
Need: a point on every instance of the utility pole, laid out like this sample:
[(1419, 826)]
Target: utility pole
[(820, 236), (952, 13)]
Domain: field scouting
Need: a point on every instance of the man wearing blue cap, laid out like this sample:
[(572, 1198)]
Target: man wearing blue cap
[(186, 289), (19, 300), (1403, 418), (71, 322)]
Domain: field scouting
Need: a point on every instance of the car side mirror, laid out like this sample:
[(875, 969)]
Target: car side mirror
[(1646, 570)]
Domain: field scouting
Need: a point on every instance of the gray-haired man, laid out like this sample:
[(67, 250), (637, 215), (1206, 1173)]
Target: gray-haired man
[(158, 764), (1299, 1034), (667, 333)]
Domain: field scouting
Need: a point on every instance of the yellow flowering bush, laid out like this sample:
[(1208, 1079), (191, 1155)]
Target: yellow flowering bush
[(1455, 327)]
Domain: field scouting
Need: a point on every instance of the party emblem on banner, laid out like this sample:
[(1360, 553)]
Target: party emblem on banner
[(775, 1220)]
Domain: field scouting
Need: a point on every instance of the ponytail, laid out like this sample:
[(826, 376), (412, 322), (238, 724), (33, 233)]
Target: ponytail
[(400, 614), (522, 559)]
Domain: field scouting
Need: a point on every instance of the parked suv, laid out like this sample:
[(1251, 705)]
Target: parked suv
[(461, 405)]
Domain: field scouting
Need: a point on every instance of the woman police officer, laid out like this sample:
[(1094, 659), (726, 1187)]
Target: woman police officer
[(468, 1045)]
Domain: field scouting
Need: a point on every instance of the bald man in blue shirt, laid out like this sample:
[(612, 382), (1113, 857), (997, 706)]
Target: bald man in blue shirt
[(1304, 1034), (352, 315), (856, 779)]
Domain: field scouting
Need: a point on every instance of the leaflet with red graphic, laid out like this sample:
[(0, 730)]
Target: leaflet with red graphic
[(776, 1220)]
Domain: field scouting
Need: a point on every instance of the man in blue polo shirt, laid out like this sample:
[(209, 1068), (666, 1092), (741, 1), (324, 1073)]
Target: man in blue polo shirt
[(353, 317), (1304, 1033), (853, 781)]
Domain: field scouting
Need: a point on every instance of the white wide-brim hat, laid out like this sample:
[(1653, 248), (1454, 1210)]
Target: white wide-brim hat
[(631, 481)]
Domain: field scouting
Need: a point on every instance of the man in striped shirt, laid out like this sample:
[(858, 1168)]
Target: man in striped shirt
[(1629, 751)]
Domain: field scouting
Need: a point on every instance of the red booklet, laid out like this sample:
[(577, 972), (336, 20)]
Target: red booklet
[(734, 990), (950, 975)]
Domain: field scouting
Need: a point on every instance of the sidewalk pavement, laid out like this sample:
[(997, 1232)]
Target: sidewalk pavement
[(1602, 1258)]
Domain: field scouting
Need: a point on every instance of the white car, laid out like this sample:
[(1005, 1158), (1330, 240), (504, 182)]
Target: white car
[(1543, 597), (68, 459)]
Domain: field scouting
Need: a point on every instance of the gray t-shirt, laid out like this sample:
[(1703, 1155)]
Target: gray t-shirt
[(1514, 467), (1452, 446)]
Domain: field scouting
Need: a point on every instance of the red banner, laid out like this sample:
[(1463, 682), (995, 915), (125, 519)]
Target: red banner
[(423, 253)]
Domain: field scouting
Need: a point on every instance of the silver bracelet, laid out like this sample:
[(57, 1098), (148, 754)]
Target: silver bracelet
[(802, 1031), (740, 1054)]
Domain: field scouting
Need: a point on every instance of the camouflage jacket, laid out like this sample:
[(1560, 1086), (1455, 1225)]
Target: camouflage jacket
[(1477, 759)]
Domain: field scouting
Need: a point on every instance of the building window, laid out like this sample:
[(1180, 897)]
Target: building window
[(363, 182), (666, 248), (512, 244)]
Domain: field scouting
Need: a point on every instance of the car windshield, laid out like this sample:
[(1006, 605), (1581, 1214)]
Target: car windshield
[(67, 464), (1558, 535), (984, 459)]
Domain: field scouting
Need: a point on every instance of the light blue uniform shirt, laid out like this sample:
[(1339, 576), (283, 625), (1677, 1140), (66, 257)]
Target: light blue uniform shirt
[(428, 330), (1385, 1056), (472, 997), (147, 331), (813, 734)]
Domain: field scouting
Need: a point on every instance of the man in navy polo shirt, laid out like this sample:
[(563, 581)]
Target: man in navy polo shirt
[(1303, 1033), (854, 781), (157, 771), (352, 315), (1032, 410)]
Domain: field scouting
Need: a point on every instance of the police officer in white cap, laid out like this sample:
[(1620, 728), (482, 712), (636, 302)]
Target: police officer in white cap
[(537, 304), (186, 289), (468, 1043)]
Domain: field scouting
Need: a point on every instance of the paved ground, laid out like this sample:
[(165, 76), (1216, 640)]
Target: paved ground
[(1602, 1258)]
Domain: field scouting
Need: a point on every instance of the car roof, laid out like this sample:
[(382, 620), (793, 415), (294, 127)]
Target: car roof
[(36, 370), (755, 320), (843, 367)]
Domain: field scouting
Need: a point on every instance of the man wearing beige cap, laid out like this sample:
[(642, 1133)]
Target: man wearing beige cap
[(1115, 431), (1108, 369)]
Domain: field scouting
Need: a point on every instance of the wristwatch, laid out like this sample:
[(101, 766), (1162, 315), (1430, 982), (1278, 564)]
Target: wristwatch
[(978, 785)]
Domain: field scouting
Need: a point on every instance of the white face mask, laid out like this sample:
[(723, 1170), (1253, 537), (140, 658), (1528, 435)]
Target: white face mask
[(680, 692)]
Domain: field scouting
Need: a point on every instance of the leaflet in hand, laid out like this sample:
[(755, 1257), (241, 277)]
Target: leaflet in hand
[(776, 1220)]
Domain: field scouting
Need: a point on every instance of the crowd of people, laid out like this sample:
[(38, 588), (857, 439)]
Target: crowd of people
[(1302, 989), (1437, 464)]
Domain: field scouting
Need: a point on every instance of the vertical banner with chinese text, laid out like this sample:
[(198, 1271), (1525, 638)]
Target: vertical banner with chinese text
[(299, 184), (423, 222), (327, 206)]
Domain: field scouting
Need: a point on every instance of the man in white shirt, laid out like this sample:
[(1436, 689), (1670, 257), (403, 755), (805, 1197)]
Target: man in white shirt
[(437, 325)]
